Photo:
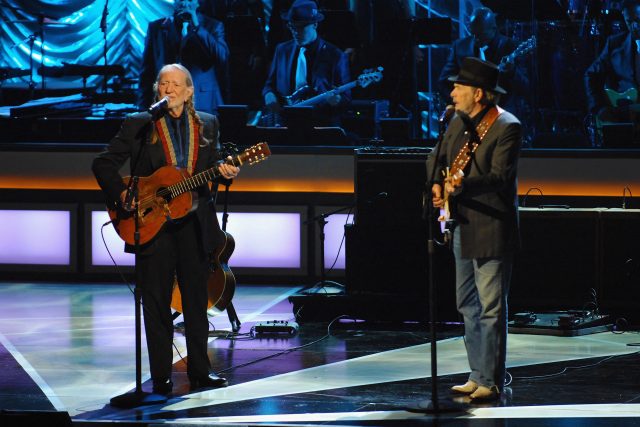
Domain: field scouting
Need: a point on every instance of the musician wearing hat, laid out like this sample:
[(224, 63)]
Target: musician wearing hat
[(307, 66), (475, 186)]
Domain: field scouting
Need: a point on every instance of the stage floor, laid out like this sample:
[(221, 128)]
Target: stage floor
[(71, 347)]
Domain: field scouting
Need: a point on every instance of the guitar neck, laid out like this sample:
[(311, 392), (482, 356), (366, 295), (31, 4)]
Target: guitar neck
[(319, 98), (199, 179)]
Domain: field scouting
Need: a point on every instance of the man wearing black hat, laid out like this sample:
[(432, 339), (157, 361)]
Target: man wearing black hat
[(307, 60), (475, 178)]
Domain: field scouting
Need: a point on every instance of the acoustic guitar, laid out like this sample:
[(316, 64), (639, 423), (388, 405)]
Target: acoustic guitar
[(221, 284), (167, 195)]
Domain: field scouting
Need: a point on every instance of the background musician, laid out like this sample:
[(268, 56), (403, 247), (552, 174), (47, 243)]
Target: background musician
[(195, 41), (486, 42), (617, 68), (181, 136), (307, 60)]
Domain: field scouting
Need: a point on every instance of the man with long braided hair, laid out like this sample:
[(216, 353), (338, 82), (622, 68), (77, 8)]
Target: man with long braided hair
[(176, 135)]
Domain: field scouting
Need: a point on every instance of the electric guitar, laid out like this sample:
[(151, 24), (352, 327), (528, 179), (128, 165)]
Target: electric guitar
[(300, 97), (167, 195), (523, 49), (305, 96), (629, 96)]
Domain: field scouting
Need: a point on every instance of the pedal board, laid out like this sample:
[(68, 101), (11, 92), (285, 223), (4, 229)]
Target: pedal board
[(561, 323), (280, 327)]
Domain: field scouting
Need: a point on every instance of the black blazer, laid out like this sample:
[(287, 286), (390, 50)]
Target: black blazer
[(132, 143), (487, 206), (203, 52), (330, 69)]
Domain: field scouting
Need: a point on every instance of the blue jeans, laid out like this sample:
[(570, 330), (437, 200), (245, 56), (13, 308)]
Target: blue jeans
[(482, 285)]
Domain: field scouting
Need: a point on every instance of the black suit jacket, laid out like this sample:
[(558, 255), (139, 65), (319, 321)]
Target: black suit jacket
[(330, 69), (132, 143), (487, 206), (203, 52), (613, 68)]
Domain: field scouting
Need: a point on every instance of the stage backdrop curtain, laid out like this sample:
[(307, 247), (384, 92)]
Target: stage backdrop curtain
[(73, 34)]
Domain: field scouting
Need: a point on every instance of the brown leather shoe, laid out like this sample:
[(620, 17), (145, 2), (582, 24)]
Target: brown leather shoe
[(466, 388), (483, 394)]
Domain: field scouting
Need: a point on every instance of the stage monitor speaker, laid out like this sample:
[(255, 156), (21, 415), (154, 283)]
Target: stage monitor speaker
[(392, 263), (558, 263), (389, 184), (620, 262)]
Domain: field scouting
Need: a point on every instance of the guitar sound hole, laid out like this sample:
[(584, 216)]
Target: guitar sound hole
[(163, 193)]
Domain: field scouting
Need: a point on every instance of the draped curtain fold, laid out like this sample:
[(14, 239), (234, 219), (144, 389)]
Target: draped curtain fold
[(73, 35)]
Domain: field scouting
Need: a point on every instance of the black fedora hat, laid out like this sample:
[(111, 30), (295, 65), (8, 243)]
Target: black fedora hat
[(304, 12), (478, 73)]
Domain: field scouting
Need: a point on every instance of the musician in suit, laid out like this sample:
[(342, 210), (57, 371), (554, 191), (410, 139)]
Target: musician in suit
[(308, 60), (195, 41), (617, 67), (181, 136), (483, 203), (486, 42)]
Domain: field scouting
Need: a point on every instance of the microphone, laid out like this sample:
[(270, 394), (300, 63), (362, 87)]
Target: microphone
[(468, 124), (447, 114), (158, 105)]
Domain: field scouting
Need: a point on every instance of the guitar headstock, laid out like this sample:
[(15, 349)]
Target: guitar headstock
[(255, 154), (523, 48), (370, 76)]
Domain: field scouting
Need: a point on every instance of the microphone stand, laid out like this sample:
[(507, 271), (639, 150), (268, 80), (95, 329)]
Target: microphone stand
[(103, 27), (433, 405), (321, 219), (137, 397), (231, 311)]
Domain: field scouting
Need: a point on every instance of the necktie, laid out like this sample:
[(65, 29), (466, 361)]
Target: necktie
[(185, 29), (638, 46), (481, 52), (301, 69)]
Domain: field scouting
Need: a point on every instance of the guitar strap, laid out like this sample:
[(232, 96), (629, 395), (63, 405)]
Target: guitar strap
[(464, 155), (169, 145)]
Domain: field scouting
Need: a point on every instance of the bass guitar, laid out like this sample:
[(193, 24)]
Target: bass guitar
[(302, 98), (167, 195), (306, 97)]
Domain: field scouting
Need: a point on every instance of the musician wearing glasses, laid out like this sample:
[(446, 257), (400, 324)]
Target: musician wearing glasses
[(307, 66)]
